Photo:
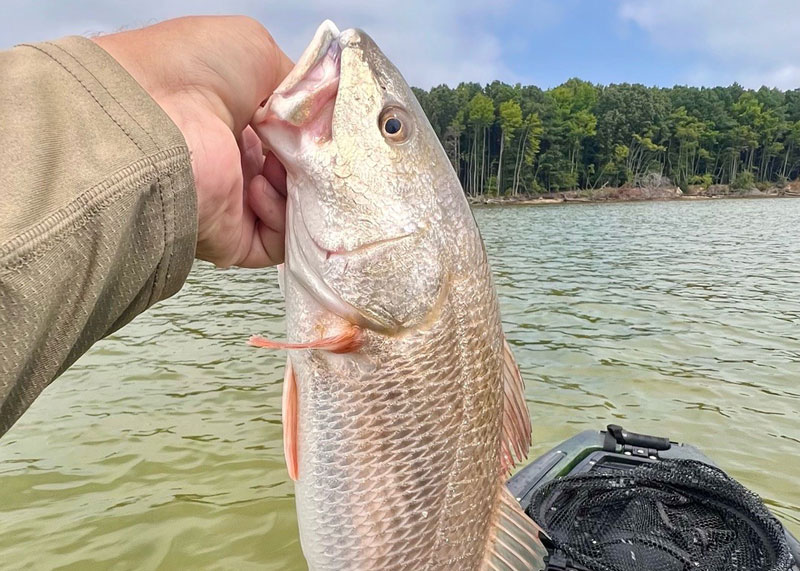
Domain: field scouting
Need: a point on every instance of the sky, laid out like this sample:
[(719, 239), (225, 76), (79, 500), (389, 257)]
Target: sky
[(540, 42)]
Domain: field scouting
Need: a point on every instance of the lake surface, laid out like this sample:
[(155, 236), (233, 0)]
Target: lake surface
[(161, 448)]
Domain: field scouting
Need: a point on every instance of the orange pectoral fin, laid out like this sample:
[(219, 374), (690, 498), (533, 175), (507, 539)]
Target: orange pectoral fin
[(289, 419), (351, 339)]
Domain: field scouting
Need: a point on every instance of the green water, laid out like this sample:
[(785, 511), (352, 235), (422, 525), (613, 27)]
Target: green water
[(161, 448)]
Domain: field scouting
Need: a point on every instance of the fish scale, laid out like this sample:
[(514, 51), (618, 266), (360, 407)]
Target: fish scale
[(403, 473)]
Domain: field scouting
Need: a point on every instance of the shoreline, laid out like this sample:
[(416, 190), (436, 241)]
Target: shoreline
[(614, 195)]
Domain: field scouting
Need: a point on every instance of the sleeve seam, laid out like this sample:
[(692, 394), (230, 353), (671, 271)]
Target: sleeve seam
[(108, 92), (23, 248), (128, 134), (167, 252), (91, 94), (169, 249)]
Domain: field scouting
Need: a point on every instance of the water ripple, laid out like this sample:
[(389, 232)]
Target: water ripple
[(161, 447)]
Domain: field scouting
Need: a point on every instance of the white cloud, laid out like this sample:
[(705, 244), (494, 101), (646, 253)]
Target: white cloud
[(430, 41), (753, 42)]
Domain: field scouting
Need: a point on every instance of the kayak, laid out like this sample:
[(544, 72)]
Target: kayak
[(609, 454)]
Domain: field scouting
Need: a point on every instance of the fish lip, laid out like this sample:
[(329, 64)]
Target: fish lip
[(368, 245), (325, 38), (329, 253), (310, 86), (300, 263)]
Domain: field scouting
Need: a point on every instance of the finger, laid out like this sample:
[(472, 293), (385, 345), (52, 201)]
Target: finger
[(232, 61), (252, 154), (267, 241), (266, 249), (275, 173), (274, 244), (267, 204), (252, 66)]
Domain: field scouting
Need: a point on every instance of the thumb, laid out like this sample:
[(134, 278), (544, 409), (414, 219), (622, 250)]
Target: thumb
[(232, 62), (249, 65)]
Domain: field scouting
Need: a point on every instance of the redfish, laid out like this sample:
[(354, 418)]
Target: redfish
[(403, 406)]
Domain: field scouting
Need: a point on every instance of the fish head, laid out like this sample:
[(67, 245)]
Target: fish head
[(371, 191)]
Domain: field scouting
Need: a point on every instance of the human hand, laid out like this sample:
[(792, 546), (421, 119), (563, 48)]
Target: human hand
[(209, 74)]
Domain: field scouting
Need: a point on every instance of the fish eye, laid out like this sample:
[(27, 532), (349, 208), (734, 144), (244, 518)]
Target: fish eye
[(392, 126), (395, 124)]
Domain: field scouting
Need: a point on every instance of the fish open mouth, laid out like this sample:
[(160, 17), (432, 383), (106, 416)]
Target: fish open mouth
[(306, 97)]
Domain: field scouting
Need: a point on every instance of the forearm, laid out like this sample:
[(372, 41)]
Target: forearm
[(98, 219)]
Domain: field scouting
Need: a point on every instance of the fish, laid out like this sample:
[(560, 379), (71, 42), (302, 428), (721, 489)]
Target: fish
[(403, 407)]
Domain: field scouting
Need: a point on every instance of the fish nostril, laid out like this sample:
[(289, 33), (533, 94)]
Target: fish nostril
[(349, 37)]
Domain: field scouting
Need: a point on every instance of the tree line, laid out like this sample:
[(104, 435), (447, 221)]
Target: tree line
[(514, 139)]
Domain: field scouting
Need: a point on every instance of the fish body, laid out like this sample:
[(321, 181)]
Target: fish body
[(404, 405)]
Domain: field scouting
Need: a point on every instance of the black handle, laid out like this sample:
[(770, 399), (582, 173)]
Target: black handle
[(623, 437)]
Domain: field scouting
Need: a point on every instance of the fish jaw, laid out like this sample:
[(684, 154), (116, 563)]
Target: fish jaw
[(307, 263), (299, 111)]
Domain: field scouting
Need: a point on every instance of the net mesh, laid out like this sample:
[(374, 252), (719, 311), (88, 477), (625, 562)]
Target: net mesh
[(672, 515)]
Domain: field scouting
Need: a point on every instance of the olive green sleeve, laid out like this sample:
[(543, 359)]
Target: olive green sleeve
[(98, 213)]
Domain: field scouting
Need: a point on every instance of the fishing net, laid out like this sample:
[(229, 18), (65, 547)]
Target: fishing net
[(672, 515)]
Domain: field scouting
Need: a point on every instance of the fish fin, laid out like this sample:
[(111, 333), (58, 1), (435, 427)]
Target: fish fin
[(516, 434), (514, 543), (350, 340), (289, 420), (282, 279)]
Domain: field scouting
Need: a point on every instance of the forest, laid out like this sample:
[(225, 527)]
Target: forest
[(513, 139)]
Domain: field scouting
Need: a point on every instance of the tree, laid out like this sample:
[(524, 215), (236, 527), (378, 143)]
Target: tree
[(689, 132), (584, 135), (528, 149), (510, 114), (481, 115), (573, 123)]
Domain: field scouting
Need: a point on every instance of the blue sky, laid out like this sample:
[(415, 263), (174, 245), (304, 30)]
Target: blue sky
[(544, 42), (586, 39)]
